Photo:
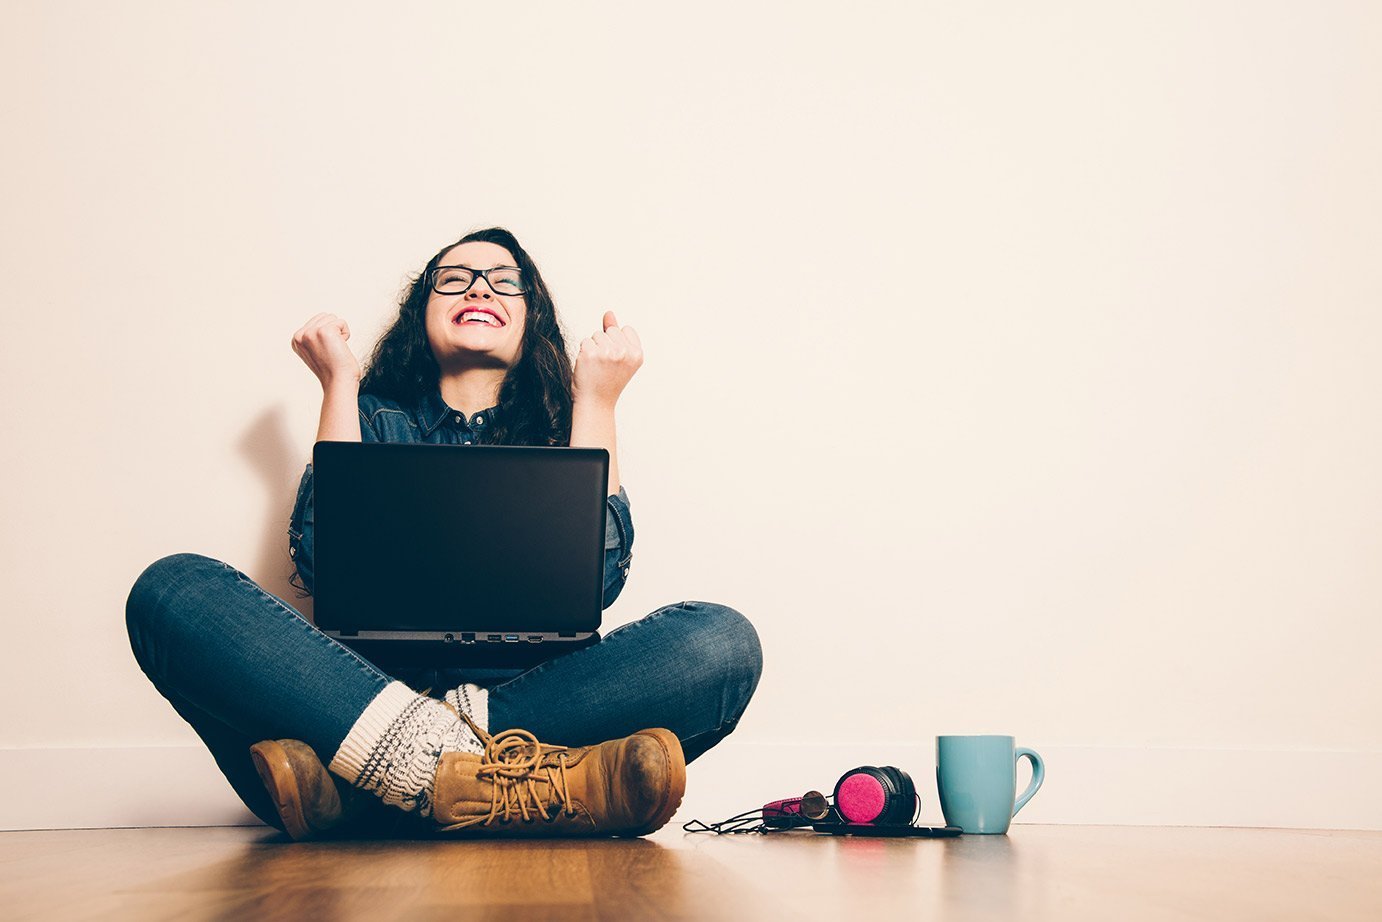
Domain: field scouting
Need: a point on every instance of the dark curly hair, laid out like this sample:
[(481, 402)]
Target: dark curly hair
[(535, 398)]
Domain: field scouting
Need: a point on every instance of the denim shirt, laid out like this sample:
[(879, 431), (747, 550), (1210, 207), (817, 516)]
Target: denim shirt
[(432, 422)]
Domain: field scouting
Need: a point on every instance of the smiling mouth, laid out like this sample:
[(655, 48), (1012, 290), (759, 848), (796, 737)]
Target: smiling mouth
[(480, 318)]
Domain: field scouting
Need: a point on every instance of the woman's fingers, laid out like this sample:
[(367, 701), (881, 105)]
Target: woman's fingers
[(633, 349), (617, 338), (615, 342), (603, 340)]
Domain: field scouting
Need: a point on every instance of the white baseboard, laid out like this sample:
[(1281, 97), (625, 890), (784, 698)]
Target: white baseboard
[(116, 786), (1085, 785), (1300, 789)]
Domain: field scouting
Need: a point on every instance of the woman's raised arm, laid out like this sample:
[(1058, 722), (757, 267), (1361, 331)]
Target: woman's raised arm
[(340, 420), (321, 344), (605, 363)]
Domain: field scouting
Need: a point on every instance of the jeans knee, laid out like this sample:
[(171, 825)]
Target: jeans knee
[(728, 638), (147, 608)]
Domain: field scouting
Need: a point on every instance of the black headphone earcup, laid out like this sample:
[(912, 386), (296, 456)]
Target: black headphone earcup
[(903, 805), (894, 784)]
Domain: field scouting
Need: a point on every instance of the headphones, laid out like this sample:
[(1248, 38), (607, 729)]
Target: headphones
[(865, 796)]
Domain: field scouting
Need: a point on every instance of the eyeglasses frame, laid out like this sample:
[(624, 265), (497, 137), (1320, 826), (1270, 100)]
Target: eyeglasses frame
[(476, 274)]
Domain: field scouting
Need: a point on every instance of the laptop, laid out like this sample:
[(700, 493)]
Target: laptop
[(459, 554)]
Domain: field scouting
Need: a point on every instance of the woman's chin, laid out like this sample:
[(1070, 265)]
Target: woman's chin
[(457, 354)]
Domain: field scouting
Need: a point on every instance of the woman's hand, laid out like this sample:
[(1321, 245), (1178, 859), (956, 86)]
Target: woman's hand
[(606, 362), (321, 344)]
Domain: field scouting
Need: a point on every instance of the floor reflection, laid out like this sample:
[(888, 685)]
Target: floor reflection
[(385, 879)]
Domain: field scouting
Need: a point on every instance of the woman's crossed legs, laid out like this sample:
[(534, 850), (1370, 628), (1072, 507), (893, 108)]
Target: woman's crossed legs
[(240, 665)]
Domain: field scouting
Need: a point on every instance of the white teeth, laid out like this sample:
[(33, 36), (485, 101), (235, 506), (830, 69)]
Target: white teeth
[(478, 315)]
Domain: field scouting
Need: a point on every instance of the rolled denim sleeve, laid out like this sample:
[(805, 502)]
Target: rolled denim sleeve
[(618, 544), (300, 530), (301, 525)]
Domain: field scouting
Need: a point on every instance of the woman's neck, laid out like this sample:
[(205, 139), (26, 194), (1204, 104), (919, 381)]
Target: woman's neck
[(473, 390)]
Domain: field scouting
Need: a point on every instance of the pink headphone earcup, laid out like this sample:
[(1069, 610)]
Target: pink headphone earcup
[(860, 798)]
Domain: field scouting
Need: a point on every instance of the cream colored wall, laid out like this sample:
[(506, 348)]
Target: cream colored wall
[(1014, 366)]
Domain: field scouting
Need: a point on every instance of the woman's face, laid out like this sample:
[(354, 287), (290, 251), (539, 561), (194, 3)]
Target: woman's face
[(496, 332)]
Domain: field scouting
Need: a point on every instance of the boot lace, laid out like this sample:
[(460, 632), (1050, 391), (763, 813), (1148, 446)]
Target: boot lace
[(515, 762)]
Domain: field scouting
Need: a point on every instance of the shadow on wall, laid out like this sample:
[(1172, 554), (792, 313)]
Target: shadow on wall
[(271, 447)]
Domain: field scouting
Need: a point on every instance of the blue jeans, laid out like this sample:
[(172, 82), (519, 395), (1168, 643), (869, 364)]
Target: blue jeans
[(240, 666)]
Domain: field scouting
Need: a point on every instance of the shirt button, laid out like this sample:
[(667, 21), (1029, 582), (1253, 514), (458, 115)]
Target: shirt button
[(626, 571), (458, 419), (292, 552), (479, 420), (466, 441)]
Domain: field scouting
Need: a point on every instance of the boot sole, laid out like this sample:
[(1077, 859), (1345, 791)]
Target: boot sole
[(671, 747), (276, 771)]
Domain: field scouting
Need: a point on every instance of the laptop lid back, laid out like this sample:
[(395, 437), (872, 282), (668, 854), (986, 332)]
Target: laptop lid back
[(419, 537)]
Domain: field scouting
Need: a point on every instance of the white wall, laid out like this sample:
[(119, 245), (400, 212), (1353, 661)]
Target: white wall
[(1013, 366)]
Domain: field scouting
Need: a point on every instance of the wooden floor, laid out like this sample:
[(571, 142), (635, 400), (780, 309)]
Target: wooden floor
[(1065, 873)]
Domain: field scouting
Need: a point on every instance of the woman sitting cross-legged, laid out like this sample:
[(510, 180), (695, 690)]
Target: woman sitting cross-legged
[(319, 741)]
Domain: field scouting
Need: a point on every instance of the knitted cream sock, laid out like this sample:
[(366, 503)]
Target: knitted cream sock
[(393, 748), (472, 700)]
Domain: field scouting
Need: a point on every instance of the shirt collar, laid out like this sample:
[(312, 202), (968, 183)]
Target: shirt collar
[(432, 411)]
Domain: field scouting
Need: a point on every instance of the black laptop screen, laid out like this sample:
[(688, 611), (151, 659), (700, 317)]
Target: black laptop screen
[(458, 537)]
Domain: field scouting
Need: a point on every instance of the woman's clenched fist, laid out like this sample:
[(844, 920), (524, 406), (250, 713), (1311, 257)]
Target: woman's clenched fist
[(605, 363), (321, 344)]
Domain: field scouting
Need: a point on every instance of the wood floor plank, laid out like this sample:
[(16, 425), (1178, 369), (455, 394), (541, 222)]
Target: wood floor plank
[(1066, 873)]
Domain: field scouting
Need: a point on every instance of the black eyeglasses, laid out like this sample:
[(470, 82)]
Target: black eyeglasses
[(456, 280)]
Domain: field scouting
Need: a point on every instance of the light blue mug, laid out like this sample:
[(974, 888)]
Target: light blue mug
[(976, 778)]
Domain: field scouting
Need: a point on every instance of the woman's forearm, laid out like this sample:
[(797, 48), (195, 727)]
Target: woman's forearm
[(340, 421), (592, 426)]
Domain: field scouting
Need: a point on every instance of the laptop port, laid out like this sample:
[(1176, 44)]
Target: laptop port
[(467, 638), (534, 638), (447, 638), (510, 638), (493, 637)]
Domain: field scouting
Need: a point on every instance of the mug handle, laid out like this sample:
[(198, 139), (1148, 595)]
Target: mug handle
[(1038, 775)]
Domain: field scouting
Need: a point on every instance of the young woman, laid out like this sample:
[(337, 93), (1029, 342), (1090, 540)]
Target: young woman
[(317, 740)]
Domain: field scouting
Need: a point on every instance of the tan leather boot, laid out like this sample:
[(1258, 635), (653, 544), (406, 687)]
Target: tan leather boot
[(521, 787), (303, 790)]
